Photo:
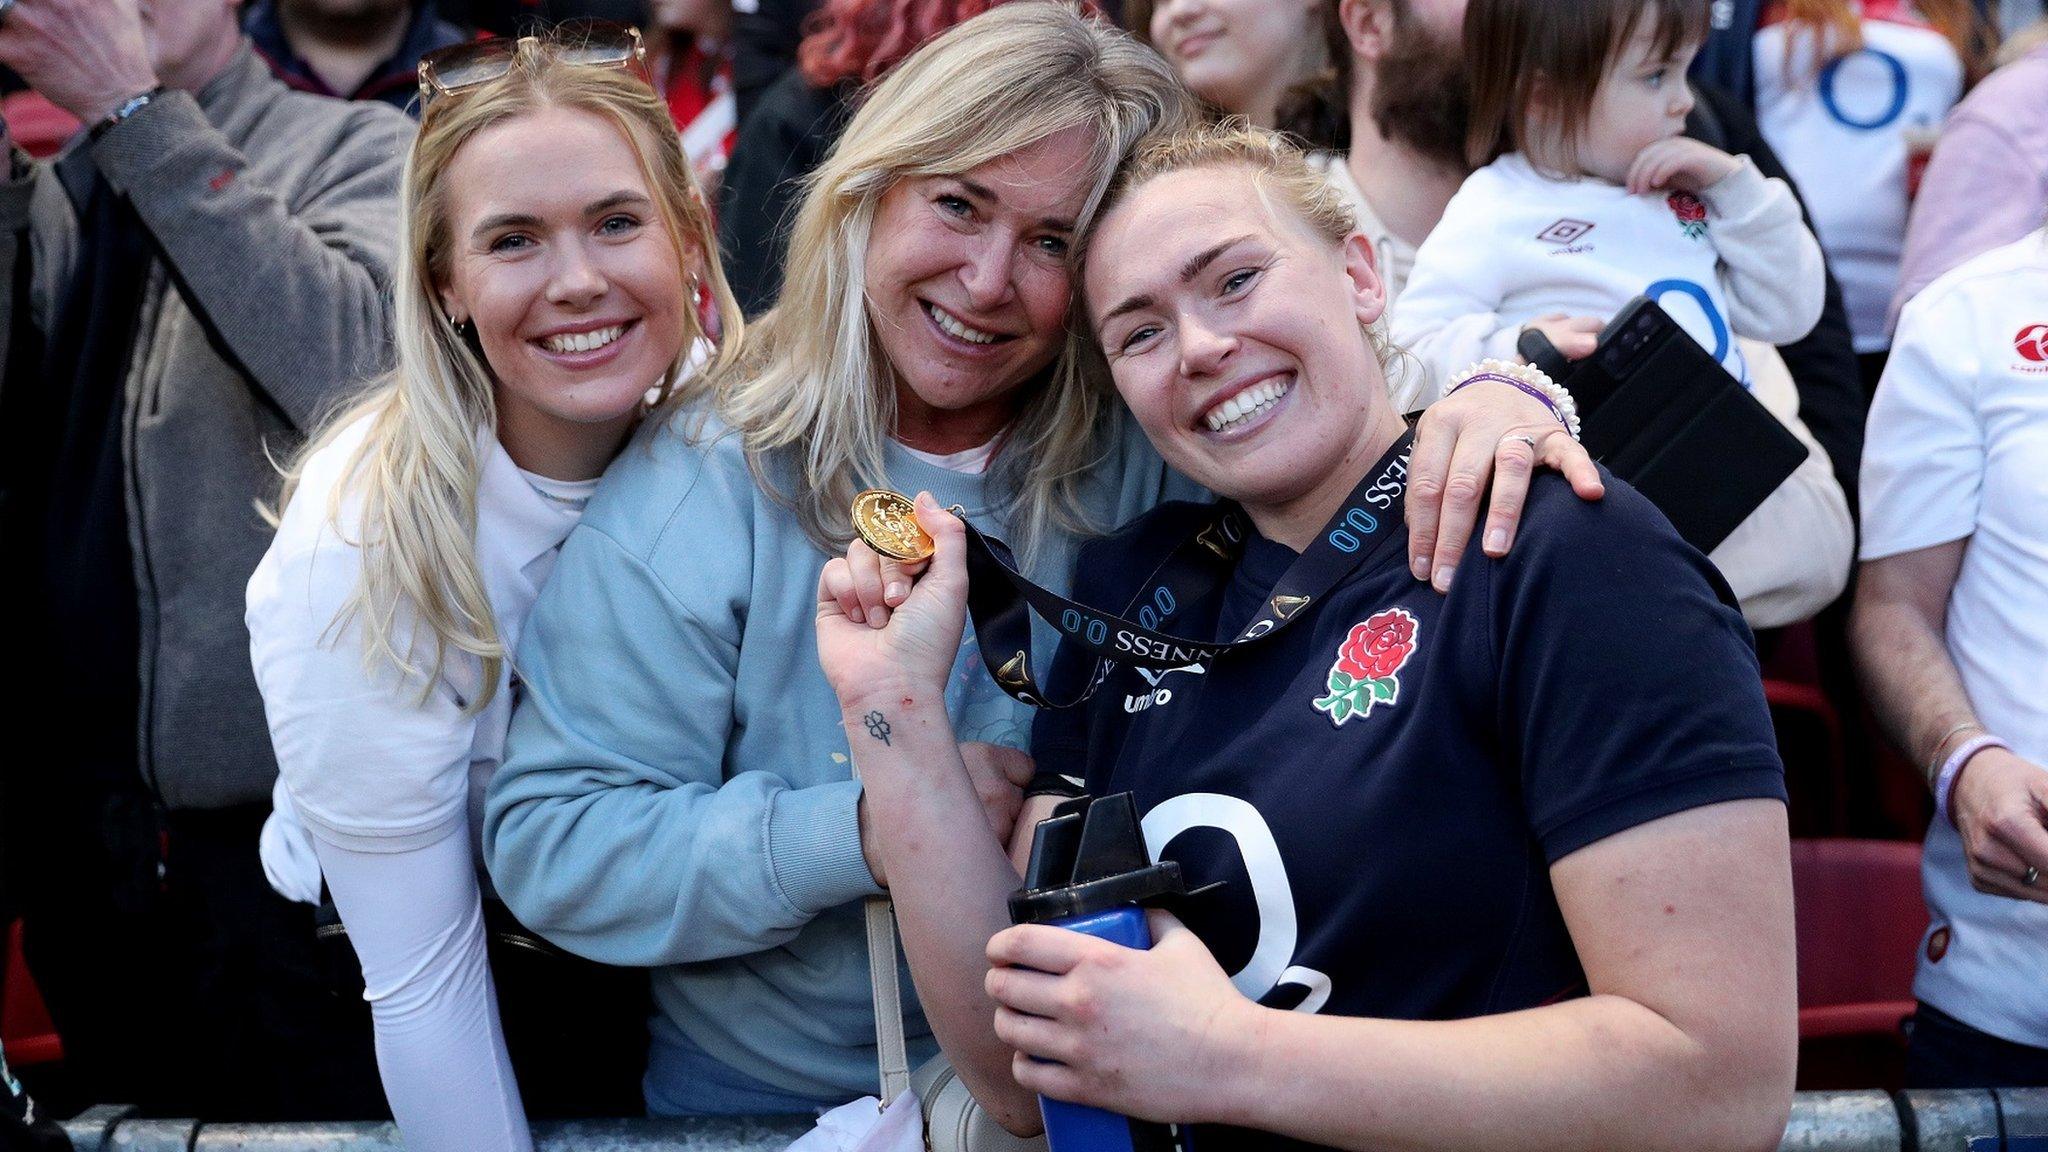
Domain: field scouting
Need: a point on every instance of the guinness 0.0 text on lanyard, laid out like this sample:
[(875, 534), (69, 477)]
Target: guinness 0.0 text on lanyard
[(998, 594)]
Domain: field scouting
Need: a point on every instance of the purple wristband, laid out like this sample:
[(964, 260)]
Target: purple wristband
[(1524, 385), (1953, 767)]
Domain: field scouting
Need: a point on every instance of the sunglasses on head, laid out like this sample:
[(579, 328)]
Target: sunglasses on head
[(461, 67)]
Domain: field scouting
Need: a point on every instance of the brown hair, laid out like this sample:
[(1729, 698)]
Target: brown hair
[(1838, 29), (1516, 49), (1318, 110)]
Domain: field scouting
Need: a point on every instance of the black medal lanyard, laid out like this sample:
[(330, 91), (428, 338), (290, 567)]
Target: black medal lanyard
[(998, 594)]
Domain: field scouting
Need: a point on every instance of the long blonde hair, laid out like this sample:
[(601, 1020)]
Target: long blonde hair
[(418, 468), (813, 379)]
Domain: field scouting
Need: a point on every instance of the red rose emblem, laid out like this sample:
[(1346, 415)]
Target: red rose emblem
[(1363, 676), (1686, 207), (1377, 648)]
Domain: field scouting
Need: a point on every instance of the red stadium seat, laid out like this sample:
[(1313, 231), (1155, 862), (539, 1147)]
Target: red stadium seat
[(1860, 916), (25, 1029), (1810, 742)]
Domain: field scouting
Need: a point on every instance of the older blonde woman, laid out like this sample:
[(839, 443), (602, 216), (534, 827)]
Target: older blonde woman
[(552, 235), (677, 792)]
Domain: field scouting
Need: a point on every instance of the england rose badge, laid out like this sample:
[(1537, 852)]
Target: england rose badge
[(1367, 667), (1691, 213)]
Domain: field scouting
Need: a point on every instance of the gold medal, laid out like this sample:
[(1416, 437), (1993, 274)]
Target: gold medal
[(886, 521)]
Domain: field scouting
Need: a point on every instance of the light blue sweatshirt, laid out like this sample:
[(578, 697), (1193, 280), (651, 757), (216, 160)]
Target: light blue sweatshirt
[(676, 792)]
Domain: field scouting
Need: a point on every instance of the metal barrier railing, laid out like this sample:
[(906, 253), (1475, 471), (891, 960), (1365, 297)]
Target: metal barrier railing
[(1821, 1122)]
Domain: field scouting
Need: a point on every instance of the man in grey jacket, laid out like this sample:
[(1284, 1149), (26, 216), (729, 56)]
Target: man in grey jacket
[(184, 291)]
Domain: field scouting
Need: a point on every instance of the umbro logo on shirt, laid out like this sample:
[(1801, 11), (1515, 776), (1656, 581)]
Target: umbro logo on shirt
[(1158, 695), (1566, 231)]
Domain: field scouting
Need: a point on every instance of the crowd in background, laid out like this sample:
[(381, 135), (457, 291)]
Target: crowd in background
[(199, 237)]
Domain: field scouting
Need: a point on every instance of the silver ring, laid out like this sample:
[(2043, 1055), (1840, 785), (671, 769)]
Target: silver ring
[(2030, 875), (6, 6), (1522, 436)]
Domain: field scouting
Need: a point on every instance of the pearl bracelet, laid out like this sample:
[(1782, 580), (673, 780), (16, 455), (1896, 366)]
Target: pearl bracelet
[(1530, 379)]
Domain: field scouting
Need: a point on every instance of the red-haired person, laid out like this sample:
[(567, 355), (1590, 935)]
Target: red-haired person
[(1846, 93), (851, 43)]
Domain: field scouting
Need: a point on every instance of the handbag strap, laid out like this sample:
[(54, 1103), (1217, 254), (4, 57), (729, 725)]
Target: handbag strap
[(891, 1051), (890, 1048)]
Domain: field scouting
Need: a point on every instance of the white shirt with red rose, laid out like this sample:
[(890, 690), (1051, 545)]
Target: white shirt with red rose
[(1958, 450), (1516, 244)]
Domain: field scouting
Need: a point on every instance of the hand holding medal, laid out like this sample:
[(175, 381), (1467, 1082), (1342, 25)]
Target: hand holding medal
[(886, 522), (893, 609)]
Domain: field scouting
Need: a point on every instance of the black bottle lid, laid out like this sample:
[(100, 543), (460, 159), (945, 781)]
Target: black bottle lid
[(1089, 856)]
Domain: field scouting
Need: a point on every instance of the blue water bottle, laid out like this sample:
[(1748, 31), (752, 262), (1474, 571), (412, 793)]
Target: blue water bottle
[(1090, 872)]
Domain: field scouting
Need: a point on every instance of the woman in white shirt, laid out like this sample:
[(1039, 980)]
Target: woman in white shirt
[(555, 250)]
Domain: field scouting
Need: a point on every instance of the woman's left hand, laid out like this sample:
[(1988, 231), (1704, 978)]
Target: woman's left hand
[(1156, 1034), (1465, 440)]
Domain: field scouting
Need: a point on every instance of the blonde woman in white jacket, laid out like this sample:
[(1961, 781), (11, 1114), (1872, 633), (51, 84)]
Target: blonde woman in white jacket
[(557, 262)]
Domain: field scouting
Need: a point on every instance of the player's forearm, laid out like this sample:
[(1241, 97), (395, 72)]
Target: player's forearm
[(1596, 1073), (949, 878)]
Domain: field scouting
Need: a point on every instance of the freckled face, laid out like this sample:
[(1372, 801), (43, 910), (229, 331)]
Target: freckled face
[(1235, 335), (565, 268), (1642, 99), (968, 287)]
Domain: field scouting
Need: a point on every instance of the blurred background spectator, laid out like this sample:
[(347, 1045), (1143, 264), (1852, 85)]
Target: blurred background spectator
[(1996, 139), (1240, 56), (1951, 633), (689, 49), (512, 17), (765, 35), (192, 282), (354, 49), (1851, 97)]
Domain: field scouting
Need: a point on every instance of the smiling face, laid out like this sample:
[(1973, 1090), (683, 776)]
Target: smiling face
[(1239, 55), (567, 271), (1236, 335), (967, 286), (1642, 98)]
